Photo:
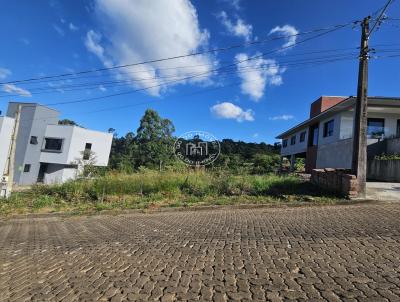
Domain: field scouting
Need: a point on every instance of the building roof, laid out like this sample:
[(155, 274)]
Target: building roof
[(346, 104), (33, 104)]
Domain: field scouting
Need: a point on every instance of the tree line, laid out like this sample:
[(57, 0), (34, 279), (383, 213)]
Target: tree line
[(152, 147)]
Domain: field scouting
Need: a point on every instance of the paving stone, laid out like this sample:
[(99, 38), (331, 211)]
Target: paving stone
[(331, 253)]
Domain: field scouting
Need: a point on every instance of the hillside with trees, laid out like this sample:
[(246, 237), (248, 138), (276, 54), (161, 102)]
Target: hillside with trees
[(151, 146)]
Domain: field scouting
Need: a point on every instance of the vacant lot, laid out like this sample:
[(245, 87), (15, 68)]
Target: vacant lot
[(153, 189), (328, 252)]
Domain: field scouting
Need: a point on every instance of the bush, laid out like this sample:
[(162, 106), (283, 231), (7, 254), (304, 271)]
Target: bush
[(387, 157)]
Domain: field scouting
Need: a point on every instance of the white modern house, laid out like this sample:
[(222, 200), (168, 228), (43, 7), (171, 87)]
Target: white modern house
[(325, 139), (45, 151)]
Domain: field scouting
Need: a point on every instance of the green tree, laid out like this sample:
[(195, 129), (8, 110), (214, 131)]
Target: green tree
[(154, 140), (67, 122)]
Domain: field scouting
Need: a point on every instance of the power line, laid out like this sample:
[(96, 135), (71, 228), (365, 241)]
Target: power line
[(154, 101), (89, 85), (202, 74), (175, 57), (380, 18), (177, 67), (333, 29)]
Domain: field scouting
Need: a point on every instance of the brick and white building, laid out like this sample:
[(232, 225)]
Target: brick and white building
[(325, 139)]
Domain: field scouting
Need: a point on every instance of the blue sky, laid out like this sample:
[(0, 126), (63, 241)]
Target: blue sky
[(254, 101)]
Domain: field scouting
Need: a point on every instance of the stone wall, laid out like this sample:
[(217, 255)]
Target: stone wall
[(336, 180), (384, 170)]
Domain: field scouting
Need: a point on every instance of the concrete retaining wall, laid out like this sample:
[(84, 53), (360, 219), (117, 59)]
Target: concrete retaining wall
[(384, 170), (393, 146), (335, 155), (336, 180)]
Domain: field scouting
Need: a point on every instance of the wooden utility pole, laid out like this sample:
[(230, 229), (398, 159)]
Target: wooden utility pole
[(11, 157), (359, 161)]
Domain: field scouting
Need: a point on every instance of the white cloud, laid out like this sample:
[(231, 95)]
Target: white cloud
[(234, 3), (256, 72), (288, 31), (238, 28), (227, 110), (59, 30), (102, 88), (73, 27), (11, 88), (142, 30), (284, 117), (4, 72), (92, 43)]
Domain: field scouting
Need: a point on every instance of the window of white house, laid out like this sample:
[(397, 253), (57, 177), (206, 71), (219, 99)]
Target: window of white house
[(27, 168), (53, 144), (284, 143), (33, 140), (303, 136), (328, 128), (293, 140), (376, 127), (86, 153)]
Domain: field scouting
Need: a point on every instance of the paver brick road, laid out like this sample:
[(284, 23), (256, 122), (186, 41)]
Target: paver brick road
[(330, 253)]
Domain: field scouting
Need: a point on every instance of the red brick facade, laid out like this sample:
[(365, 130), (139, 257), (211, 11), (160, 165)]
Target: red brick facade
[(324, 103)]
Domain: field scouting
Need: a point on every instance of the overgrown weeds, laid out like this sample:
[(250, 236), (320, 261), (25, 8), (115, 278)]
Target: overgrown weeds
[(149, 189)]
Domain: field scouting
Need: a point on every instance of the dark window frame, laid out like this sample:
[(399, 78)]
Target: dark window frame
[(87, 151), (293, 140), (33, 140), (398, 128), (303, 136), (328, 131), (284, 143), (45, 141), (27, 168), (372, 119)]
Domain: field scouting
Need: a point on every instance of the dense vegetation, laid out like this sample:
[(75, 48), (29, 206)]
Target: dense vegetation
[(152, 147)]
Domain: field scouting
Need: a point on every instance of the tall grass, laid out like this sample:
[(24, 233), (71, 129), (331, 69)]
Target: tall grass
[(173, 184), (149, 188)]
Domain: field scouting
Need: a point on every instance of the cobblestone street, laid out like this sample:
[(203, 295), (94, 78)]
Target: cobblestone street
[(330, 253)]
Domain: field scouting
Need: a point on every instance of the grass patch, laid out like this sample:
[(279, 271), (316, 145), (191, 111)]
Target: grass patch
[(153, 189)]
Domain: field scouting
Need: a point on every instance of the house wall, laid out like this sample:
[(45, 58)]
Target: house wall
[(101, 145), (6, 129), (57, 131), (75, 139), (336, 151), (336, 131), (57, 173), (299, 147), (33, 122), (335, 155)]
